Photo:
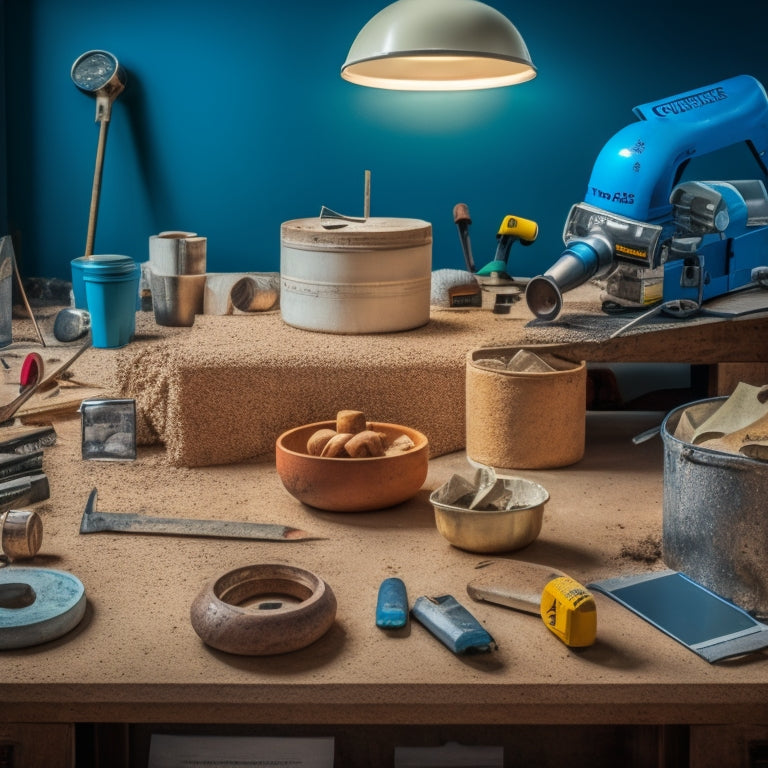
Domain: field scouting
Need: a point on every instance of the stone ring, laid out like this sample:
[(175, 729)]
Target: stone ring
[(265, 609)]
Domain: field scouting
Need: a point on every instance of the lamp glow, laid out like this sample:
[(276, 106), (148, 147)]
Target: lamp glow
[(438, 45)]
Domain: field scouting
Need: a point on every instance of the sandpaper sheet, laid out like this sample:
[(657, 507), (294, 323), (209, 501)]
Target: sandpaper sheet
[(710, 626)]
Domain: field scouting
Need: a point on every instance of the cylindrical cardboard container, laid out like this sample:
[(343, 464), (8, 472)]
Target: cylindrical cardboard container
[(528, 419), (365, 277), (111, 285)]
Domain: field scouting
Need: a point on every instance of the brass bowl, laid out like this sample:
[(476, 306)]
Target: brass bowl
[(494, 530), (351, 485)]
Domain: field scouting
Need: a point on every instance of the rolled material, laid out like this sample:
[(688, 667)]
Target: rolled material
[(177, 253), (21, 533), (47, 604), (241, 292)]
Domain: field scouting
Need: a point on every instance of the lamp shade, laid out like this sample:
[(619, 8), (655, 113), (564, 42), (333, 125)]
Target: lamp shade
[(438, 45)]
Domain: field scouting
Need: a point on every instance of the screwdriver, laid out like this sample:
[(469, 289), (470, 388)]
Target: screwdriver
[(462, 219)]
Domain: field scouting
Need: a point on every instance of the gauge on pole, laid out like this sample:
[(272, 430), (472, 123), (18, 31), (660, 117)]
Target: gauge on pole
[(99, 74)]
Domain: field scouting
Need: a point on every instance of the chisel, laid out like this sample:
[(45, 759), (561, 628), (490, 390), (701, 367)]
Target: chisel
[(24, 490), (129, 522), (14, 465)]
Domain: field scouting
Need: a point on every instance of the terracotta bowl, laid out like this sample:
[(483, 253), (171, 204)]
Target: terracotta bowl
[(351, 485)]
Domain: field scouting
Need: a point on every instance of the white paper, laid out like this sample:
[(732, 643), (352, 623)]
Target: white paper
[(450, 755), (170, 751)]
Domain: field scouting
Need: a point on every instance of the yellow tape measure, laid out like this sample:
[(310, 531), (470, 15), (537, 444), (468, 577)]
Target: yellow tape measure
[(569, 611)]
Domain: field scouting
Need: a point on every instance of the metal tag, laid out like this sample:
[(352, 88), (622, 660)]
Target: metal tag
[(108, 429)]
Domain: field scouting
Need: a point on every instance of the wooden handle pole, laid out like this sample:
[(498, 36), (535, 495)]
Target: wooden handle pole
[(26, 301), (96, 190)]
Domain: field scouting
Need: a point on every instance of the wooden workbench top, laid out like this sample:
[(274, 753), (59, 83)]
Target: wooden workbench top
[(135, 656)]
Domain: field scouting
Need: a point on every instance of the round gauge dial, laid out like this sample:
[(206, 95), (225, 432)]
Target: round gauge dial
[(93, 70)]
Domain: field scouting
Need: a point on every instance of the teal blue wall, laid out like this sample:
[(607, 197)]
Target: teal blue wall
[(235, 119)]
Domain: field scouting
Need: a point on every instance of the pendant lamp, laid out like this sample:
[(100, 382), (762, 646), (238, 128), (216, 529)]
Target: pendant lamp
[(438, 45)]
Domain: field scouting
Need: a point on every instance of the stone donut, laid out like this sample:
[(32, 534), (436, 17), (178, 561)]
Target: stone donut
[(263, 609)]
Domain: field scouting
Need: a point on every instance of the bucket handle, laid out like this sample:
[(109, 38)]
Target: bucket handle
[(709, 458)]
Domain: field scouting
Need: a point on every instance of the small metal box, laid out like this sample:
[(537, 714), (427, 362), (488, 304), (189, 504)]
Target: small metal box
[(108, 429)]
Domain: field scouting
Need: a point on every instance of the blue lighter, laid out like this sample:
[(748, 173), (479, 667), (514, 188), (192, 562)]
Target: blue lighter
[(453, 625), (392, 605)]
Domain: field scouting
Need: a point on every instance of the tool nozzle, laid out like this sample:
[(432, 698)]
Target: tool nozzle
[(543, 297), (581, 261)]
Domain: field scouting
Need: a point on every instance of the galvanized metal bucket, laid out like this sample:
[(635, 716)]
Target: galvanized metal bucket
[(715, 527)]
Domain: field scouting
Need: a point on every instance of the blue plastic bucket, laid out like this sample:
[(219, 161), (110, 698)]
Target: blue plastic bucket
[(110, 286), (78, 285)]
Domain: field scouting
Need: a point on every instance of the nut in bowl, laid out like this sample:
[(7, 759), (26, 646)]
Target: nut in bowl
[(379, 475), (489, 515)]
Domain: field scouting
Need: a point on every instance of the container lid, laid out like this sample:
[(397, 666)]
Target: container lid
[(106, 264), (372, 234)]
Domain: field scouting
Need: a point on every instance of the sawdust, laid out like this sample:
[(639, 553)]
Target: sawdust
[(647, 550), (223, 390)]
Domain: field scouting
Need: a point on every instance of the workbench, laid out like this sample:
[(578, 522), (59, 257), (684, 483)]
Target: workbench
[(222, 391), (134, 666)]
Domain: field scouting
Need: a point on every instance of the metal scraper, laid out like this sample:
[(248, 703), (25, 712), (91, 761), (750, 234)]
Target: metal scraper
[(129, 522)]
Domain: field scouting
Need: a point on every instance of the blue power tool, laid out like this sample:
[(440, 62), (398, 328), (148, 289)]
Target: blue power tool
[(652, 237)]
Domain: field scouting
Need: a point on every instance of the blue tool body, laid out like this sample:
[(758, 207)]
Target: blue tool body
[(453, 625), (392, 604), (635, 171), (637, 214)]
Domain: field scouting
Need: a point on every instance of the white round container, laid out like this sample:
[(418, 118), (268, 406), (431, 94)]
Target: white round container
[(366, 277)]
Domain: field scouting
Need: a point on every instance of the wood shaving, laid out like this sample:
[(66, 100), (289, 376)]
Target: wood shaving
[(647, 550)]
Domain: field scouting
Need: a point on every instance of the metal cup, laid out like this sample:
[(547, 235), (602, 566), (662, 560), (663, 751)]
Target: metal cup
[(176, 299)]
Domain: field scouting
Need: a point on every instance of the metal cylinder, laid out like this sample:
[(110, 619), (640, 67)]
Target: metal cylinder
[(714, 526), (581, 260)]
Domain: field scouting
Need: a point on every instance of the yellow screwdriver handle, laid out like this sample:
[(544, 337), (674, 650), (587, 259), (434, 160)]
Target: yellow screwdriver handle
[(524, 229), (569, 611)]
